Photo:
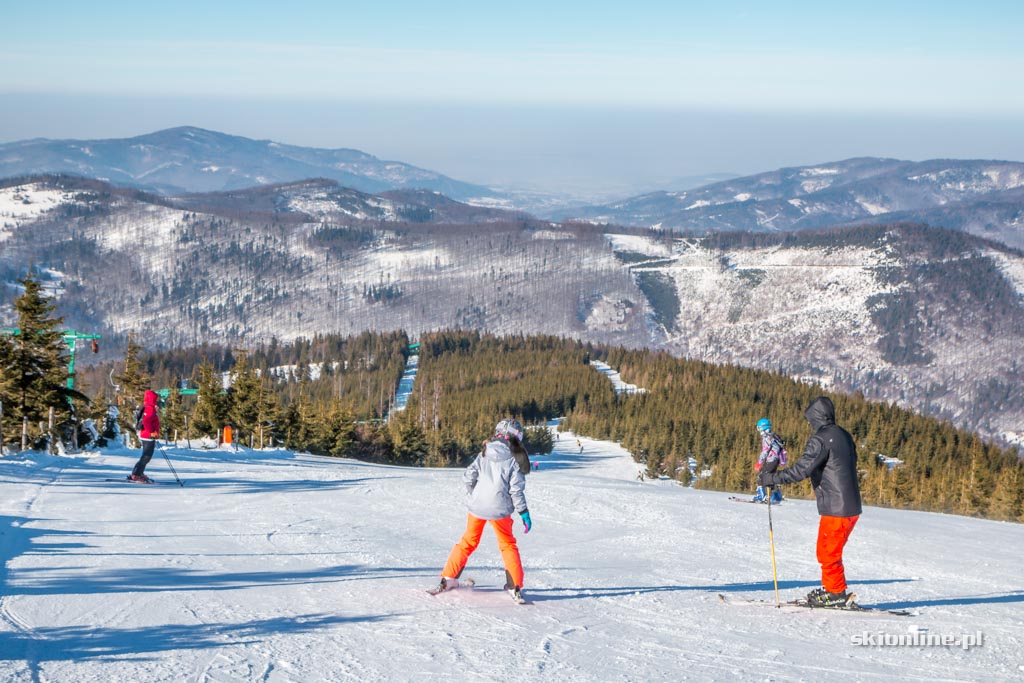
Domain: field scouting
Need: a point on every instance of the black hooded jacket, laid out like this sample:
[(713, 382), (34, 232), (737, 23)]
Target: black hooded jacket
[(830, 460)]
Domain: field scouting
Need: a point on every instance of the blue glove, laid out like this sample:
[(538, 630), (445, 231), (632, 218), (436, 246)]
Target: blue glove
[(525, 514)]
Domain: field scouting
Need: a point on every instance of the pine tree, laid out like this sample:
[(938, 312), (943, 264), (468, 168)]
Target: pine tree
[(408, 439), (7, 421), (974, 480), (211, 409), (173, 419), (35, 362), (339, 430), (6, 386), (1007, 501), (297, 419), (538, 440), (250, 405)]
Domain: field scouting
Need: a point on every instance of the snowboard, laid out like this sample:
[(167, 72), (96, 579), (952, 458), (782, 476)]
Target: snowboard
[(463, 583), (851, 606), (470, 583)]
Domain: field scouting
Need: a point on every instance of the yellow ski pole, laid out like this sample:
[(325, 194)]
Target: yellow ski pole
[(771, 539)]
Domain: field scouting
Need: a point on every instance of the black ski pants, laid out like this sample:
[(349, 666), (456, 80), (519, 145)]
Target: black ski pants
[(148, 446)]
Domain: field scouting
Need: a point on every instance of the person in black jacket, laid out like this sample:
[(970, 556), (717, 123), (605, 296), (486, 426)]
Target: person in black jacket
[(830, 460)]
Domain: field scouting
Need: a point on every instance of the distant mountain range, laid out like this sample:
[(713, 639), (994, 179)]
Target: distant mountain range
[(930, 318), (984, 198), (327, 200), (188, 159), (295, 241)]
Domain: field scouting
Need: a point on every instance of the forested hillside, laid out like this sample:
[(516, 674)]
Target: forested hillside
[(330, 395), (929, 318), (693, 409)]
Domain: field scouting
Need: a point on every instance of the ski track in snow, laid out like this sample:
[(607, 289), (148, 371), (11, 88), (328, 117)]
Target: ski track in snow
[(273, 566)]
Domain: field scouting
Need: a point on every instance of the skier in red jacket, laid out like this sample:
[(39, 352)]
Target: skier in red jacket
[(149, 433)]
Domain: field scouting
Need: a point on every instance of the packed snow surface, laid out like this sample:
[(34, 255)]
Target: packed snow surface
[(1011, 267), (638, 243), (29, 201), (621, 387), (275, 566)]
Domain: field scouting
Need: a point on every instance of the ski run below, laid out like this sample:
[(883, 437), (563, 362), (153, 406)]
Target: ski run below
[(276, 566)]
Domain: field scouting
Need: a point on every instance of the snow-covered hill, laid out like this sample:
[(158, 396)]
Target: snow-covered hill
[(978, 196), (327, 201), (190, 159), (930, 318), (272, 566)]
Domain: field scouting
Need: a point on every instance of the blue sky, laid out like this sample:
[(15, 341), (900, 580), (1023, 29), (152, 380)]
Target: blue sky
[(595, 95)]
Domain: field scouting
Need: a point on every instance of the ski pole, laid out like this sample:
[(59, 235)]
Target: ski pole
[(771, 539), (181, 483)]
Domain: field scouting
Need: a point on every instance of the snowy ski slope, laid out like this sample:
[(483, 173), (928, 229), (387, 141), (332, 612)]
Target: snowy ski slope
[(273, 566)]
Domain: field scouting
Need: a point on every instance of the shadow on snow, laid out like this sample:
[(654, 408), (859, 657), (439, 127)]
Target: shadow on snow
[(70, 643), (78, 473), (546, 594), (1006, 598), (558, 459), (89, 581)]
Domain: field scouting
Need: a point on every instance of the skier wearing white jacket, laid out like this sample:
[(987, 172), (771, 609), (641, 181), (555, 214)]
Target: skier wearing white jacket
[(495, 484), (495, 488)]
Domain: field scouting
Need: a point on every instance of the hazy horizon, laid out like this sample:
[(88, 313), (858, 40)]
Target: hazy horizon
[(593, 99)]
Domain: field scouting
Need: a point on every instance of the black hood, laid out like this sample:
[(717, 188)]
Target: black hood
[(820, 413)]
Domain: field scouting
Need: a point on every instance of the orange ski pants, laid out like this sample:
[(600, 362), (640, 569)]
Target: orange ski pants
[(471, 539), (833, 533)]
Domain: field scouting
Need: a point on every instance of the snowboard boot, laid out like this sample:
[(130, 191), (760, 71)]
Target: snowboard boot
[(819, 597), (449, 583)]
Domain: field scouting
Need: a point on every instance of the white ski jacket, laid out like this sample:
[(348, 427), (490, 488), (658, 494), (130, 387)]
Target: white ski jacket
[(495, 486)]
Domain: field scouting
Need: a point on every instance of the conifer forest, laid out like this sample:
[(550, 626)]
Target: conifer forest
[(335, 395)]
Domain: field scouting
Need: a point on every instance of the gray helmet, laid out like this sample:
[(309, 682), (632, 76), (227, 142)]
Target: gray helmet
[(509, 427)]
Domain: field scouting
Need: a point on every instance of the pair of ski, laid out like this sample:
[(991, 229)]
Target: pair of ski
[(850, 606), (471, 583), (737, 499), (143, 483)]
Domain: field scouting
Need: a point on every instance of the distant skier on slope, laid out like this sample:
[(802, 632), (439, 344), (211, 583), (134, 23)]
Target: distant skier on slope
[(148, 434), (830, 460), (495, 487), (773, 456)]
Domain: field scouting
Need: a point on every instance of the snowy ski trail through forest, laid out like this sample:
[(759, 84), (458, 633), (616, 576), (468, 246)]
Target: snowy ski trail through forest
[(276, 566)]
